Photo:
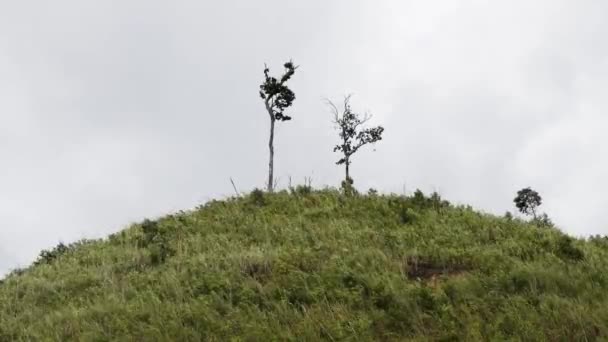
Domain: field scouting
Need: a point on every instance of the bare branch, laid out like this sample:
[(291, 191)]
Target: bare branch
[(347, 102), (362, 121), (238, 194), (353, 135), (334, 110), (366, 117)]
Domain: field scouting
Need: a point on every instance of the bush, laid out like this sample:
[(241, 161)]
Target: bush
[(600, 241), (347, 187), (437, 202), (48, 256), (301, 190), (402, 207), (543, 221), (159, 252), (257, 197), (157, 241), (13, 273), (419, 200), (151, 231), (434, 201), (567, 251)]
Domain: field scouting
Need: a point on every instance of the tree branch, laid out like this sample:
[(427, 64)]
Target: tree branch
[(361, 122), (269, 108)]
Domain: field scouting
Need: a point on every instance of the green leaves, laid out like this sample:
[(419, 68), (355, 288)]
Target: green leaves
[(353, 135), (316, 265), (276, 94), (527, 201)]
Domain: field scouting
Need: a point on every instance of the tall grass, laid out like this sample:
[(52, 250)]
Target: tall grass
[(316, 265)]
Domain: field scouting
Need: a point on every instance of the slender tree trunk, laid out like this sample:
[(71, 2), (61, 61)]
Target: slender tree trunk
[(347, 164), (271, 161)]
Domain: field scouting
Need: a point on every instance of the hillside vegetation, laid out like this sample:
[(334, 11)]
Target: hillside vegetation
[(315, 265)]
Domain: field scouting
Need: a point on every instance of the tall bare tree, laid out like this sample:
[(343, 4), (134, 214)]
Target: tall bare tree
[(277, 98), (353, 134)]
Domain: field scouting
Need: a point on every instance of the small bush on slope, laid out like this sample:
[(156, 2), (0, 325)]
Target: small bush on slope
[(317, 267)]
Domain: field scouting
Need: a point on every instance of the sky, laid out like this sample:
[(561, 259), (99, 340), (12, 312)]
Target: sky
[(114, 111)]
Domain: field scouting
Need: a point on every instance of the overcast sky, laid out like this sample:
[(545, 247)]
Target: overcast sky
[(116, 110)]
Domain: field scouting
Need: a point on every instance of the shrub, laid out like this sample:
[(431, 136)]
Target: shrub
[(151, 231), (421, 201), (567, 251), (302, 190), (437, 202), (159, 252), (600, 241), (157, 241), (257, 197), (401, 207), (49, 256), (16, 272), (543, 221), (347, 187)]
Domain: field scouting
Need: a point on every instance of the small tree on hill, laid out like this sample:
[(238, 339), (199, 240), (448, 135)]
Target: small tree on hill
[(527, 201), (277, 98), (352, 134)]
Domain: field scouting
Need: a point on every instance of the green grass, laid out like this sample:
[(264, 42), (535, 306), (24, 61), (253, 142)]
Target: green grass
[(315, 266)]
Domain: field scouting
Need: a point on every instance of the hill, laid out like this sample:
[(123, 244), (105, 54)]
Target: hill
[(315, 265)]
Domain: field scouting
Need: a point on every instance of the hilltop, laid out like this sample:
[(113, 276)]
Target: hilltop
[(315, 265)]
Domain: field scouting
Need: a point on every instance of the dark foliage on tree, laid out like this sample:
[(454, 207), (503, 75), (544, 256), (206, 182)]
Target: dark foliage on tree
[(156, 240), (568, 251), (257, 197), (48, 256), (543, 220), (277, 98), (353, 135), (527, 201)]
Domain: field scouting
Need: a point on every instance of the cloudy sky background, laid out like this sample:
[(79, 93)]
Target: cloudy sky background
[(112, 111)]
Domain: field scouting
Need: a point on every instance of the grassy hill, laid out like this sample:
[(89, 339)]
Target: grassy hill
[(312, 266)]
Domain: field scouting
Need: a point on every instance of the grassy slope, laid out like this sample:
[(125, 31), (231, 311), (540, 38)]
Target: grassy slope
[(316, 266)]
